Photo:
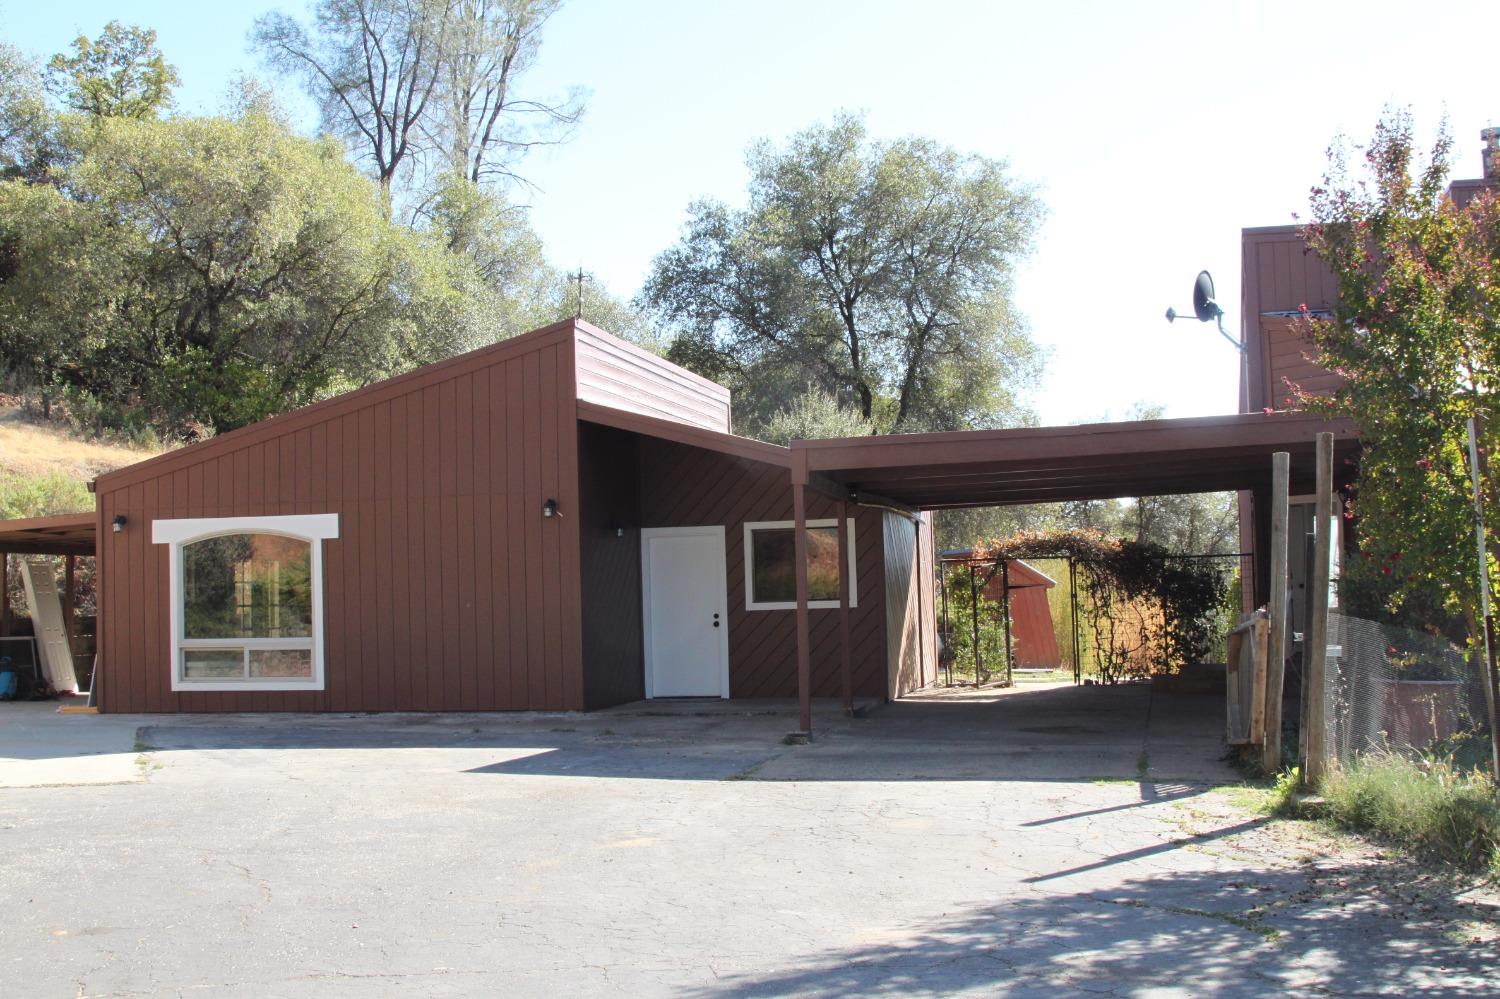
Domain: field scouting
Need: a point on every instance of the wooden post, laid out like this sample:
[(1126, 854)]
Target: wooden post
[(1233, 652), (1314, 744), (5, 593), (1281, 465), (1257, 714), (846, 680), (1487, 663), (799, 558)]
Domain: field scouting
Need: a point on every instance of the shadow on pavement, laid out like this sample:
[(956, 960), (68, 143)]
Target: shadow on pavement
[(1057, 734), (1331, 930)]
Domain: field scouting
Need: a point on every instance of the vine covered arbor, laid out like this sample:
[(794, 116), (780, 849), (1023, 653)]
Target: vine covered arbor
[(1078, 603)]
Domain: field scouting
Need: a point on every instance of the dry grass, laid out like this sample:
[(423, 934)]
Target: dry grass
[(29, 448)]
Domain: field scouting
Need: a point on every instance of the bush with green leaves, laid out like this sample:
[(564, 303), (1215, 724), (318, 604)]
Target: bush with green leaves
[(962, 604), (815, 414)]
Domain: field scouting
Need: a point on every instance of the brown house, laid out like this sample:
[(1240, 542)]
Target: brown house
[(559, 521), (563, 521)]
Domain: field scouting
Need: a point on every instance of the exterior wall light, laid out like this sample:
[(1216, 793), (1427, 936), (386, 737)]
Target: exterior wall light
[(549, 509), (118, 524)]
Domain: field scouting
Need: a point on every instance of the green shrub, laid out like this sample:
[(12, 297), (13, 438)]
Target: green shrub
[(44, 495), (1429, 806)]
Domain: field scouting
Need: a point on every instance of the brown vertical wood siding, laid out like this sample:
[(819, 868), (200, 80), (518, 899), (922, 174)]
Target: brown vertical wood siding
[(622, 376), (684, 486), (445, 590), (1279, 274)]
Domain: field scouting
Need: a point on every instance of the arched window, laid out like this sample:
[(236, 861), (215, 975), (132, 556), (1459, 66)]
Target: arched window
[(247, 601)]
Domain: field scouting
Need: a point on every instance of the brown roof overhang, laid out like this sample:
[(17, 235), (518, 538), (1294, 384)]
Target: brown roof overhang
[(69, 534), (1092, 461)]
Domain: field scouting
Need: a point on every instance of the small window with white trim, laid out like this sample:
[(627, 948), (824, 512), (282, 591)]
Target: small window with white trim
[(247, 601), (770, 576)]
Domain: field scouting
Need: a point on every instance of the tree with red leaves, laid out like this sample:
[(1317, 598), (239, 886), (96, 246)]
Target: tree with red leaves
[(1415, 336)]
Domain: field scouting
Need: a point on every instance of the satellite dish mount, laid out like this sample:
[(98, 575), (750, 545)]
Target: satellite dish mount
[(1206, 309)]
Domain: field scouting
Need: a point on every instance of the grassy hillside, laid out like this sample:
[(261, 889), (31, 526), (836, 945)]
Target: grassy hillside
[(45, 469)]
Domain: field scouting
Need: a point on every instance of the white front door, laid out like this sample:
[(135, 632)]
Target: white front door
[(686, 608)]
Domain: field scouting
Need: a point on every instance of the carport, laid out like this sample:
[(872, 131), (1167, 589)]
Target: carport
[(69, 535), (938, 471)]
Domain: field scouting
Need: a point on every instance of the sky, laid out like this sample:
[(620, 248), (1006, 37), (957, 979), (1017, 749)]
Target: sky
[(1154, 133)]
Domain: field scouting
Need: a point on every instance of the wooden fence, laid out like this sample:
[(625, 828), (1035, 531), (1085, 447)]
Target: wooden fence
[(1245, 686)]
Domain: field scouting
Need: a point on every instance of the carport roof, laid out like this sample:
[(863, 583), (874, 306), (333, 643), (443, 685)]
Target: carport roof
[(69, 534), (1092, 461)]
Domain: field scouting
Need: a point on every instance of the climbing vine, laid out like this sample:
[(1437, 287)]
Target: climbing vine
[(1146, 609)]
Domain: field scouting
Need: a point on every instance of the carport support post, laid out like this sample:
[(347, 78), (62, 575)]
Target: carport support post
[(799, 557), (1281, 463), (1315, 647), (846, 681)]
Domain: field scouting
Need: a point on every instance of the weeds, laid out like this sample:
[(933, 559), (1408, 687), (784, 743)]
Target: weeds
[(1430, 806), (1283, 799)]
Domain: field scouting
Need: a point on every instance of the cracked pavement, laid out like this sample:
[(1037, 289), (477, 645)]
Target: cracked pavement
[(995, 845)]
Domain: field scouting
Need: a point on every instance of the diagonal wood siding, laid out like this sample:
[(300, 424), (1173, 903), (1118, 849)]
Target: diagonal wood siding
[(683, 486), (446, 589)]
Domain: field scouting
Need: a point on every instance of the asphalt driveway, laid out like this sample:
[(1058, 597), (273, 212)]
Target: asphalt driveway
[(1050, 842)]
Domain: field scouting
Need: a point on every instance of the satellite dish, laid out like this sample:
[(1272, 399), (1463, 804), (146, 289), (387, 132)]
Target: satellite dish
[(1204, 306), (1206, 309)]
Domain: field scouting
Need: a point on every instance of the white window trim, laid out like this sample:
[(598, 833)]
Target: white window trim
[(749, 560), (312, 528)]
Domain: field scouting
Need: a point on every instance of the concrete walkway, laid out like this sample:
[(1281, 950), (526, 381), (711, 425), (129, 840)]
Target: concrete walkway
[(933, 848), (40, 747)]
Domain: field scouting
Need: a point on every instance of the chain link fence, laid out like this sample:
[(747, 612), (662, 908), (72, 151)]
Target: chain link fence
[(1396, 690)]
